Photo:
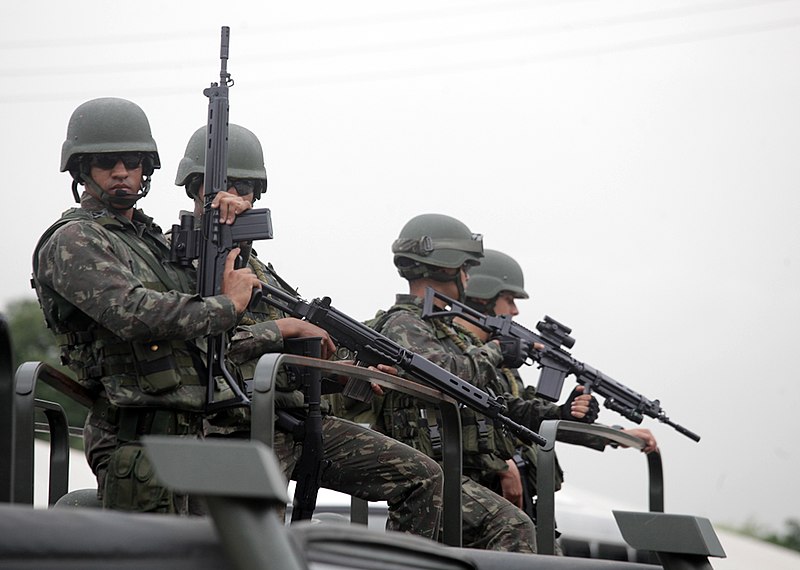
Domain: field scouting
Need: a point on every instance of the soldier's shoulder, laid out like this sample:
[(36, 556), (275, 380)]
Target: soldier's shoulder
[(401, 317), (69, 228)]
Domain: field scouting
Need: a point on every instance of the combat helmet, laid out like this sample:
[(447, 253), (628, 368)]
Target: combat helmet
[(431, 242), (107, 125), (497, 272), (245, 160)]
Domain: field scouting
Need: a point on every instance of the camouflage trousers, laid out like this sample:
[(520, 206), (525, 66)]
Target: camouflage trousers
[(125, 478), (489, 522), (366, 464)]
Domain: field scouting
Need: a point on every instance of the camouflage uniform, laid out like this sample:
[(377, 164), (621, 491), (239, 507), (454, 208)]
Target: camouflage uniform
[(488, 520), (127, 332), (358, 461)]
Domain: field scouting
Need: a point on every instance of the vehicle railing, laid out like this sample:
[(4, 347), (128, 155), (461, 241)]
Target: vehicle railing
[(546, 473), (22, 405), (262, 424), (6, 419), (21, 408)]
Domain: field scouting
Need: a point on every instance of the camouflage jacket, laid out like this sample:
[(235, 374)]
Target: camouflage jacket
[(119, 309), (486, 447)]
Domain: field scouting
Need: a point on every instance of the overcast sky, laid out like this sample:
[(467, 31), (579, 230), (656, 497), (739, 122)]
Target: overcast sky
[(638, 158)]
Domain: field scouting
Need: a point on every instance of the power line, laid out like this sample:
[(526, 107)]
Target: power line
[(172, 36), (494, 64), (459, 9)]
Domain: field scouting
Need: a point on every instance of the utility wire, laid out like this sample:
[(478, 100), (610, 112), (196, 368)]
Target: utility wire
[(490, 64)]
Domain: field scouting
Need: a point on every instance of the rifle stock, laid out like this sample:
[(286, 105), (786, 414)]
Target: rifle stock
[(372, 348), (555, 361)]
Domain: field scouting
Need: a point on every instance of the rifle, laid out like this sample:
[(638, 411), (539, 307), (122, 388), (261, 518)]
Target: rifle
[(311, 462), (372, 348), (213, 241), (554, 360)]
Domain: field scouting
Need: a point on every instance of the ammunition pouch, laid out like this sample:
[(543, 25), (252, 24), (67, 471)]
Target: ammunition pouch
[(131, 484), (405, 424)]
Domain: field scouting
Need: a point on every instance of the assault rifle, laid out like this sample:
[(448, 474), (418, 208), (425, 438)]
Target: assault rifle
[(311, 463), (554, 360), (372, 348), (213, 241)]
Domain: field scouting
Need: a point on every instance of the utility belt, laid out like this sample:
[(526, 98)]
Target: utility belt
[(131, 423)]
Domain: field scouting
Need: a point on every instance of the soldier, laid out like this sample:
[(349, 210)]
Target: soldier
[(122, 317), (493, 288), (437, 251), (357, 460)]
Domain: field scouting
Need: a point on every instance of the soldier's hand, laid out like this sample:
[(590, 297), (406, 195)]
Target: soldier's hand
[(511, 484), (650, 443), (291, 327), (580, 407), (229, 206), (387, 369), (238, 284), (514, 350)]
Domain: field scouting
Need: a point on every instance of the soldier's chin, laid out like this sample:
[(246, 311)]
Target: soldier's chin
[(121, 200)]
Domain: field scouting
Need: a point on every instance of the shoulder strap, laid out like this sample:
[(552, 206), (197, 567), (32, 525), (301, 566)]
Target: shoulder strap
[(149, 257), (378, 322), (71, 215)]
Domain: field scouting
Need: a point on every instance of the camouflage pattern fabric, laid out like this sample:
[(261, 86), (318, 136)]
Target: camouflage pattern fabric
[(488, 520), (360, 461), (371, 466), (257, 334), (111, 300)]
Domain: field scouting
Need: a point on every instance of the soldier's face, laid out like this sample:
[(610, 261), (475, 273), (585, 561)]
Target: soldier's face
[(118, 180), (505, 305)]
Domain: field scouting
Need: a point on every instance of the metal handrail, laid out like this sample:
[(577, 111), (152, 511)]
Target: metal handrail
[(23, 408), (546, 474), (6, 409), (263, 406)]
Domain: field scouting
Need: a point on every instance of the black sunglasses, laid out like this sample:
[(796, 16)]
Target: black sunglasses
[(243, 186), (131, 160)]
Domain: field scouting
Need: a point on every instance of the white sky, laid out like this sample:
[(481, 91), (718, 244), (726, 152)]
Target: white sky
[(636, 157)]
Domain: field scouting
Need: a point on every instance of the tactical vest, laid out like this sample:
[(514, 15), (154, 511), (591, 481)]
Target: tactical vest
[(418, 424), (161, 374), (287, 393)]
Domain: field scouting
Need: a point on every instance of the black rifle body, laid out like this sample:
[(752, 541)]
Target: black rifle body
[(309, 429), (372, 348), (555, 361), (212, 243)]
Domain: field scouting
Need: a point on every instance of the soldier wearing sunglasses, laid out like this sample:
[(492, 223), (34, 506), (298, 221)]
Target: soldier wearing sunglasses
[(126, 320)]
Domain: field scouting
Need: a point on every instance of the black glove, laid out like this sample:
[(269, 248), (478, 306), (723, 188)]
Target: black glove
[(515, 351), (591, 415)]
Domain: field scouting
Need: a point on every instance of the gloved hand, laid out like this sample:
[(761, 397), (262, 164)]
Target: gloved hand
[(580, 407), (515, 351)]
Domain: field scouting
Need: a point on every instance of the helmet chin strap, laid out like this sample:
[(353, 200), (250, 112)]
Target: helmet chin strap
[(120, 201), (444, 277), (420, 270)]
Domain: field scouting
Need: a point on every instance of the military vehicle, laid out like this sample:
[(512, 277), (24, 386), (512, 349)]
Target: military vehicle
[(243, 485)]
